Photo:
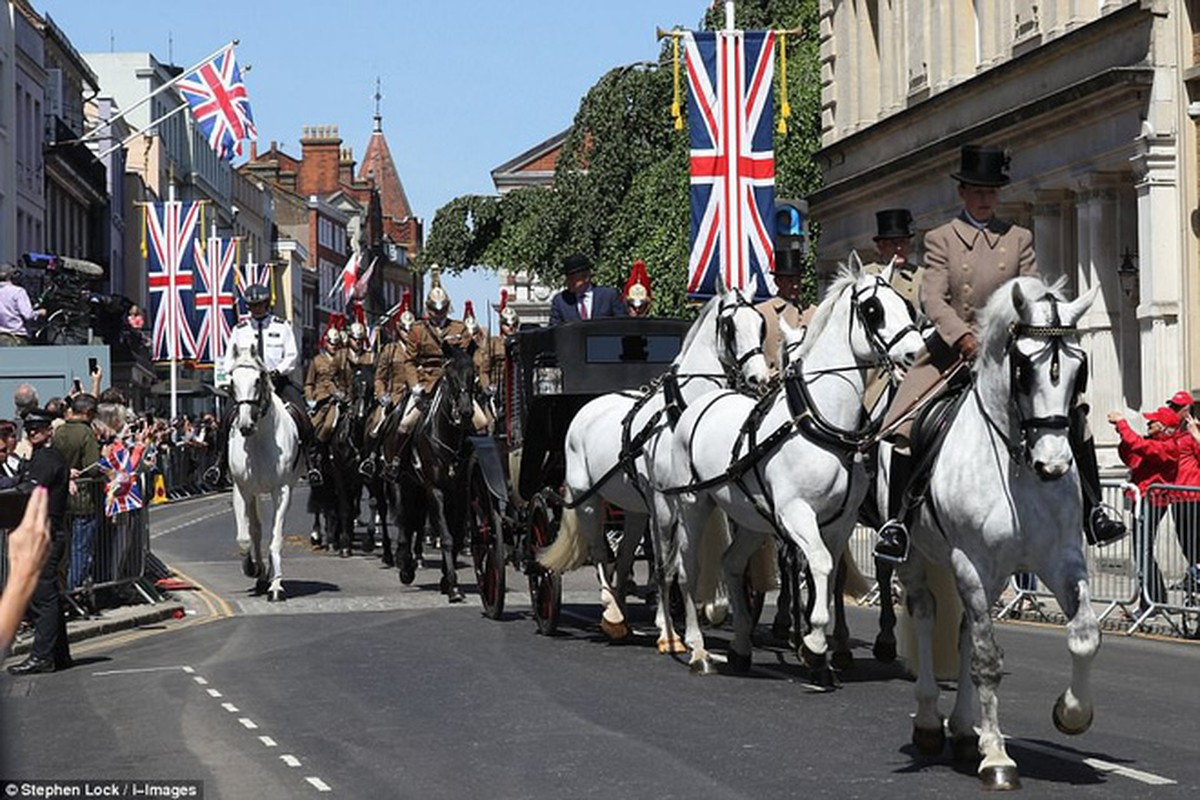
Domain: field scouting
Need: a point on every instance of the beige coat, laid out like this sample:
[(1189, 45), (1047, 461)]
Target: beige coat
[(772, 310)]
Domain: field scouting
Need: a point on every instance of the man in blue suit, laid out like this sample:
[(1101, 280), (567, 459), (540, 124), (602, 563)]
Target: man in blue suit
[(581, 300)]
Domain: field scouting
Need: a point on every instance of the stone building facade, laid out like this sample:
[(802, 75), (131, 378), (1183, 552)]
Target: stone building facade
[(1093, 99)]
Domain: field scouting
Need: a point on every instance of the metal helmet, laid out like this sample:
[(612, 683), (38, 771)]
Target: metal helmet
[(508, 314), (333, 337), (257, 293), (358, 331), (437, 301)]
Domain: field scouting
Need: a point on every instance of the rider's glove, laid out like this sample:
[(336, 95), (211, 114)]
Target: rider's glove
[(385, 399), (311, 404)]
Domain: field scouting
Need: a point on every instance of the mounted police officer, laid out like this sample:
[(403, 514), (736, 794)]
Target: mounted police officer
[(272, 338), (967, 259)]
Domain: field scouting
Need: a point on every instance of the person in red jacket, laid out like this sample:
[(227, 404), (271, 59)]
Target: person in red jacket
[(1185, 505), (1153, 458)]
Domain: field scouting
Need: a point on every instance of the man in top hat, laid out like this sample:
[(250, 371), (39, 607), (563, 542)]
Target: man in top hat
[(966, 260), (273, 340), (580, 299), (787, 304), (637, 291)]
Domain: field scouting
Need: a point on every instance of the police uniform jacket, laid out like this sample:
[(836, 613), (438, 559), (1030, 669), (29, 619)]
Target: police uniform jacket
[(965, 264), (772, 309), (278, 352), (326, 374), (426, 340), (391, 369)]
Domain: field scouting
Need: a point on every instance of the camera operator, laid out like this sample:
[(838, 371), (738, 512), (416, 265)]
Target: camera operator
[(15, 310)]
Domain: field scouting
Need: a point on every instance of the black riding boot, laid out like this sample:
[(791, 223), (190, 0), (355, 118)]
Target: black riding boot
[(893, 536), (308, 443), (1098, 527), (216, 473)]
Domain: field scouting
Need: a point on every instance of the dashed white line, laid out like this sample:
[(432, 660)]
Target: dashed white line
[(200, 680), (268, 741), (213, 693), (1097, 764), (142, 669), (247, 723), (321, 785), (230, 707), (188, 670), (291, 761), (190, 522)]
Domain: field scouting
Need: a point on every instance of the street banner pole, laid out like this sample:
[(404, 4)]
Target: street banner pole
[(174, 332)]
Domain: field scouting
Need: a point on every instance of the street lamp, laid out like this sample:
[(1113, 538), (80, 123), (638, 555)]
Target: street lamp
[(1128, 274)]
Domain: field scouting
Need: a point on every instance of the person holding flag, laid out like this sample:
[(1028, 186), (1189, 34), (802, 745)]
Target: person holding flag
[(272, 338)]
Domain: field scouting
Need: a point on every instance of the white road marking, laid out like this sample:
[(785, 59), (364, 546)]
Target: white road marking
[(248, 723), (200, 680), (1097, 764), (191, 522), (143, 669), (188, 670), (268, 741), (291, 761), (230, 707), (213, 693), (321, 785)]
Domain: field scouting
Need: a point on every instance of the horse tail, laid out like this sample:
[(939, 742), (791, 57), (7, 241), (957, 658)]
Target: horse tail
[(856, 584), (714, 541), (569, 550), (941, 582)]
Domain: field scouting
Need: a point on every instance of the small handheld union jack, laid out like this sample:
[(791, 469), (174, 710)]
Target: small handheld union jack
[(220, 103), (120, 465)]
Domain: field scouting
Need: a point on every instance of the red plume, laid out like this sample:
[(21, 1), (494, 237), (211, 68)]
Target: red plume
[(638, 277), (503, 300), (405, 303), (359, 314), (468, 310)]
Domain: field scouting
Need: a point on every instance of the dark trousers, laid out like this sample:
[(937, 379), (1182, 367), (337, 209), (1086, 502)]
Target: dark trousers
[(49, 625)]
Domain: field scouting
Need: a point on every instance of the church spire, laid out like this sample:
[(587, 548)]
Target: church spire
[(378, 114)]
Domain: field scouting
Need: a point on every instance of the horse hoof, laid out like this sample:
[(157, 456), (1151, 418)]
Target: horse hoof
[(388, 559), (444, 585), (260, 587), (884, 652), (965, 749), (344, 552), (314, 539), (456, 595), (615, 631), (702, 666), (671, 645), (814, 661), (249, 568), (929, 741), (843, 660), (824, 678), (276, 596), (407, 575), (368, 545), (1060, 713), (999, 778), (739, 663)]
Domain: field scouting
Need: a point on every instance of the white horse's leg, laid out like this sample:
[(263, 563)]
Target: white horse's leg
[(666, 564), (590, 519), (691, 518), (633, 530), (1073, 712), (745, 544), (241, 515), (282, 498), (929, 734), (798, 523)]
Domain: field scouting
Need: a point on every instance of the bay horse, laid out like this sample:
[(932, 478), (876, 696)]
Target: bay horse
[(264, 454)]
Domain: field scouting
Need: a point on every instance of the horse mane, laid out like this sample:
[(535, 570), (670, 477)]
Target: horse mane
[(999, 314), (844, 280), (709, 309)]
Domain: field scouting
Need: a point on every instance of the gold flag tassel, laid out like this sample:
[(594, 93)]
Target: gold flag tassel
[(785, 108), (145, 222), (676, 110), (203, 237)]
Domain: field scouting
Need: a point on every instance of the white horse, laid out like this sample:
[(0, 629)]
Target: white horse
[(264, 449), (613, 438), (1004, 497), (789, 466)]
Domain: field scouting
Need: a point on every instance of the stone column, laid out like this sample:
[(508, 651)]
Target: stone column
[(1053, 235)]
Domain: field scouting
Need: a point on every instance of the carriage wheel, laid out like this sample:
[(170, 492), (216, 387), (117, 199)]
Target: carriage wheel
[(545, 587), (487, 542)]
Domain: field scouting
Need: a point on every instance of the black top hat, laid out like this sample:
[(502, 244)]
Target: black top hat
[(576, 263), (893, 223), (789, 261), (982, 166)]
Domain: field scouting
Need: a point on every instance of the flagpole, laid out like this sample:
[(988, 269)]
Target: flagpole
[(141, 131), (173, 330), (729, 16), (94, 132)]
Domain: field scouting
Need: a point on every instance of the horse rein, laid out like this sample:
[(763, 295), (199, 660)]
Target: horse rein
[(262, 402)]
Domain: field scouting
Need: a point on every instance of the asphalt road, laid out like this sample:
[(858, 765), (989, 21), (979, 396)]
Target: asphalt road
[(359, 687)]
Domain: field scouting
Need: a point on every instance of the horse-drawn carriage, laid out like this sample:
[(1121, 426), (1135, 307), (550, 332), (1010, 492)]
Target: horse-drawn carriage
[(515, 488)]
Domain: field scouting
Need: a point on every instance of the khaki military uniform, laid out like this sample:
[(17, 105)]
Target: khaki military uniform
[(772, 310), (964, 265), (425, 349), (391, 379), (327, 375)]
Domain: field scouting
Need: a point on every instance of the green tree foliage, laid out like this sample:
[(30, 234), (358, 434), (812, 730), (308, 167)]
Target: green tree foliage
[(621, 185)]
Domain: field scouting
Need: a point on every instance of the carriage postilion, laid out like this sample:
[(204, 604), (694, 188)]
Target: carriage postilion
[(515, 495)]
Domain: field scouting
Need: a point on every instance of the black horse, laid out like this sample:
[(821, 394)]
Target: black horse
[(341, 468), (438, 464)]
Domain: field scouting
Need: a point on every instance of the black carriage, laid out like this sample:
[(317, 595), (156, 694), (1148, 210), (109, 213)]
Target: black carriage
[(517, 475)]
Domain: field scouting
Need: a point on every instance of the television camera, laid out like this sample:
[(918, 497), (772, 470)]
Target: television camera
[(65, 287)]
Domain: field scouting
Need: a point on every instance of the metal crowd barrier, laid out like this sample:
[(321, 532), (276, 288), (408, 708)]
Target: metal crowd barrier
[(1154, 573), (182, 467)]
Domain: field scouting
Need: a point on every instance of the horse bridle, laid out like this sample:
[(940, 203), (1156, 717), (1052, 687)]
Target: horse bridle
[(258, 405), (727, 330), (868, 308)]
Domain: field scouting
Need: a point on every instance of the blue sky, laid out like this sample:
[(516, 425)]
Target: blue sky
[(466, 85)]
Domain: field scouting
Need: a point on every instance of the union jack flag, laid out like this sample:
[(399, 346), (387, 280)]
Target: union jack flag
[(120, 465), (171, 229), (220, 104), (730, 113), (214, 302)]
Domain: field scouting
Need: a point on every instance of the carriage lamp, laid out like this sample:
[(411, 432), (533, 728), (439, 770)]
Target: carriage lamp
[(1128, 274)]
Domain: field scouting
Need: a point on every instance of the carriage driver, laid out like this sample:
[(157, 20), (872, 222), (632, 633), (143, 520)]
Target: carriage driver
[(966, 260), (272, 338), (391, 387), (787, 303), (425, 349), (328, 379)]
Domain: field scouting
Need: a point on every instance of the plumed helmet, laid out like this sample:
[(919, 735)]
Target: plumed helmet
[(358, 331), (257, 293), (438, 300), (469, 317), (637, 288), (333, 337), (508, 314)]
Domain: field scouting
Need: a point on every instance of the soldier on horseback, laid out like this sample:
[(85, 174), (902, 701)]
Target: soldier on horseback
[(272, 339), (328, 380), (391, 389)]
